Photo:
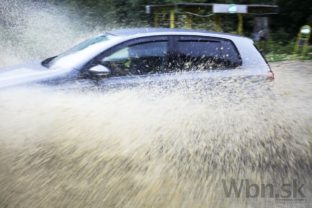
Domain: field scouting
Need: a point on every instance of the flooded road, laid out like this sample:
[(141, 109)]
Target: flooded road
[(148, 147)]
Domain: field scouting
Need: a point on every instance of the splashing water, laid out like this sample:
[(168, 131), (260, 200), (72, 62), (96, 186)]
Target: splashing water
[(33, 30), (147, 146)]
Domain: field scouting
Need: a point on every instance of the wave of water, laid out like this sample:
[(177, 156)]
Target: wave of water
[(32, 30), (148, 146)]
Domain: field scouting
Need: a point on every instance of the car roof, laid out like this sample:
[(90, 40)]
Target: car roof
[(146, 31)]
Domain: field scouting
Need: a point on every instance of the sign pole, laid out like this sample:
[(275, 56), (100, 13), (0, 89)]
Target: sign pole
[(240, 24)]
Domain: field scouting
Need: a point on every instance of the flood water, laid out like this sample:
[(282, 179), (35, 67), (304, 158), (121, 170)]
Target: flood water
[(154, 147), (144, 147)]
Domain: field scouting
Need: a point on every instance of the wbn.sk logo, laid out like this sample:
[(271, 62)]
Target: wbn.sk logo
[(239, 188)]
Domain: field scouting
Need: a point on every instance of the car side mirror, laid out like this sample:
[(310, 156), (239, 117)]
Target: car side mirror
[(100, 70)]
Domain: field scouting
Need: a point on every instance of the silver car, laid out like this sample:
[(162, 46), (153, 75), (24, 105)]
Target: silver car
[(146, 54)]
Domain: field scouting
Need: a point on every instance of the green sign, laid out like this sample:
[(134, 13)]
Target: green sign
[(306, 30), (232, 8)]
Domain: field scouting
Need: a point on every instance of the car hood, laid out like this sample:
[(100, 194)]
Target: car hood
[(28, 73)]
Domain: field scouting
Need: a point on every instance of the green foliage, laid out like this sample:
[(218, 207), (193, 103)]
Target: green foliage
[(293, 13), (131, 13), (279, 51)]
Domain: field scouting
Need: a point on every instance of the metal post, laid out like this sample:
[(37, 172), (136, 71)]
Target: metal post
[(188, 22), (306, 45), (217, 23), (156, 17), (172, 18), (240, 24), (297, 43)]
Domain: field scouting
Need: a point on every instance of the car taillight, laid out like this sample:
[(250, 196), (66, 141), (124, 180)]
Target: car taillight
[(270, 75)]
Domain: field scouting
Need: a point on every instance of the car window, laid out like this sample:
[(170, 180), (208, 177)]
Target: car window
[(140, 58), (80, 47), (230, 56), (204, 54), (119, 55)]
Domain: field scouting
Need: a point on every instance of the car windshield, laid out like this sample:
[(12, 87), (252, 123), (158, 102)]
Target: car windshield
[(85, 44)]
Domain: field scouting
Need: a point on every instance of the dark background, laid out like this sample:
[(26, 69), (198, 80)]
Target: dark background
[(101, 15), (293, 13)]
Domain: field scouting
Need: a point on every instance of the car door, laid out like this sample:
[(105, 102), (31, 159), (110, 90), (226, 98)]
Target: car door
[(135, 59), (204, 54)]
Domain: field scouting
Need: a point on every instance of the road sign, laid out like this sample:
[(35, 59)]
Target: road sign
[(229, 8), (305, 30), (302, 44)]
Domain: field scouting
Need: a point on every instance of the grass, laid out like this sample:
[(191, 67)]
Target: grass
[(282, 51)]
